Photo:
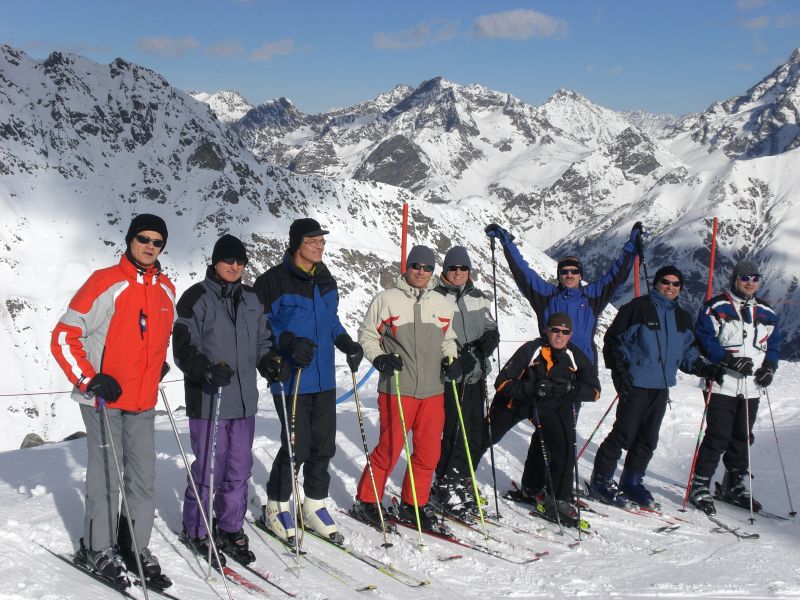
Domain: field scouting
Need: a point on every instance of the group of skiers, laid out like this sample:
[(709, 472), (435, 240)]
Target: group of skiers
[(430, 338)]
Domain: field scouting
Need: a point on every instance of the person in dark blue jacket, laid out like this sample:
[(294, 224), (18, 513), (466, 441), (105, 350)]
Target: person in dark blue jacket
[(301, 299), (584, 303), (649, 340)]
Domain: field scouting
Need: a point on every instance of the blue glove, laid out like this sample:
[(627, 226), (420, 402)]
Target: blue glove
[(495, 231), (636, 242)]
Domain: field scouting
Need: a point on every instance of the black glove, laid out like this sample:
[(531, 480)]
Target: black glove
[(488, 341), (463, 365), (623, 382), (525, 388), (351, 348), (218, 374), (740, 364), (105, 387), (299, 349), (709, 371), (495, 231), (636, 242), (764, 375), (273, 368), (164, 370), (386, 363), (553, 388)]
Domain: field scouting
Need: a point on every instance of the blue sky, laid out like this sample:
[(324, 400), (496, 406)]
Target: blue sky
[(663, 56)]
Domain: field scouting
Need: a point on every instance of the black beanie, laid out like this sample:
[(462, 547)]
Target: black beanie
[(146, 222), (228, 246), (559, 320), (570, 261), (301, 228), (668, 270)]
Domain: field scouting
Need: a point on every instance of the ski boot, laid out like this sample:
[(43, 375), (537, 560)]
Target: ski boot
[(631, 484), (367, 512), (235, 544), (200, 546), (450, 498), (277, 519), (734, 489), (107, 563), (603, 487), (428, 519), (559, 511), (151, 569), (318, 520), (700, 495)]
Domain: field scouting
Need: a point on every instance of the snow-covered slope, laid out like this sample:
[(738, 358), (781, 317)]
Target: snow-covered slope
[(228, 105)]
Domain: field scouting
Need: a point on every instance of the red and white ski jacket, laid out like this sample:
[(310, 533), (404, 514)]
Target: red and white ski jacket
[(118, 323)]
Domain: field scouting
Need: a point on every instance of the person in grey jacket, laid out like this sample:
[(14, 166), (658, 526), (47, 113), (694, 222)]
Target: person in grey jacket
[(477, 335), (221, 338)]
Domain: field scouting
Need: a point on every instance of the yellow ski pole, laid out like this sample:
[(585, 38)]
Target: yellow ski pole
[(408, 454)]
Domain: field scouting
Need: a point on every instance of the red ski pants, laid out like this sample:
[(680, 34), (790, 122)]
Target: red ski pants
[(425, 418)]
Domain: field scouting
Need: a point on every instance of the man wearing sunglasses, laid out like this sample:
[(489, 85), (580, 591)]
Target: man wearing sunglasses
[(301, 299), (582, 303), (649, 339), (112, 345), (740, 330), (545, 381), (478, 337), (221, 337), (408, 331)]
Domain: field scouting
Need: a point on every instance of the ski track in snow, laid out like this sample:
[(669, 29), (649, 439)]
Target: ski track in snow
[(41, 493)]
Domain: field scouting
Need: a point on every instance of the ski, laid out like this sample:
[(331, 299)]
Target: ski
[(757, 508), (334, 572), (93, 574), (265, 576), (381, 566), (543, 533), (515, 495), (724, 527)]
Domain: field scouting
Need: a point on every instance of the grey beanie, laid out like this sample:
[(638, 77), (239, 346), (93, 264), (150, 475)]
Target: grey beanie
[(457, 255), (745, 267), (422, 255)]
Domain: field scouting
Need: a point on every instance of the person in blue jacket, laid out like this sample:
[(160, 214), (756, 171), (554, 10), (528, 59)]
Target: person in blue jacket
[(649, 340), (583, 303), (301, 299)]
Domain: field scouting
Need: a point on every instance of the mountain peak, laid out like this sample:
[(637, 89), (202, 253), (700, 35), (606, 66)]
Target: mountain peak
[(795, 57)]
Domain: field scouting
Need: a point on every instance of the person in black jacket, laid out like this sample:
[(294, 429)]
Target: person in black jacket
[(221, 337), (301, 300), (545, 381)]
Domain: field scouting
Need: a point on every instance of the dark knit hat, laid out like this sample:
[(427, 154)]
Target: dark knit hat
[(228, 246), (668, 270), (570, 261), (422, 255), (559, 320), (146, 222), (302, 228), (457, 255), (745, 267)]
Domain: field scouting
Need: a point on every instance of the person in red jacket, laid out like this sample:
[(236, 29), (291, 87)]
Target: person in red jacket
[(112, 345)]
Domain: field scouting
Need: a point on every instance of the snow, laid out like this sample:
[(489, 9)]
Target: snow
[(41, 495)]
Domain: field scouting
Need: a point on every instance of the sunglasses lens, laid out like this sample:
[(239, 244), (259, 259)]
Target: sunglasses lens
[(570, 271), (560, 330), (421, 267), (144, 240), (753, 278), (669, 282), (230, 261), (454, 268)]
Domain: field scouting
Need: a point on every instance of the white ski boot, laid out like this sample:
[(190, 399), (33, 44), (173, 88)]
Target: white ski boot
[(278, 519), (318, 520)]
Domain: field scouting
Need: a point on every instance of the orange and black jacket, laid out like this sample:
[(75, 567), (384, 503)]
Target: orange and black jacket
[(569, 363), (118, 323)]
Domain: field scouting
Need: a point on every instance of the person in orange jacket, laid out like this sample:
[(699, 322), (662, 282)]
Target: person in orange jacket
[(112, 344)]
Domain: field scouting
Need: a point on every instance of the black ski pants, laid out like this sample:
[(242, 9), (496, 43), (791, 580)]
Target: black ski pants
[(315, 445), (635, 429), (727, 434), (453, 460)]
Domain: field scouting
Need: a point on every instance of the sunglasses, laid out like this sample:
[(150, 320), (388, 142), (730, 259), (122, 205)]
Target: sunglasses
[(570, 271), (144, 240), (668, 282), (229, 261), (421, 267), (454, 268), (560, 330), (753, 278)]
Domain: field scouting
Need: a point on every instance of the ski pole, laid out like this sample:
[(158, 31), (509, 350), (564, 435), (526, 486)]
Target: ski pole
[(538, 426), (792, 512), (379, 504), (749, 464), (408, 454), (489, 433), (300, 517), (469, 456), (575, 455), (101, 404), (203, 516), (603, 418), (212, 472), (290, 451), (707, 399)]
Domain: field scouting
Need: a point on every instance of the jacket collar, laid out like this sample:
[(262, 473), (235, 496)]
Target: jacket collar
[(454, 289), (136, 272), (662, 301), (401, 284), (321, 272), (222, 289)]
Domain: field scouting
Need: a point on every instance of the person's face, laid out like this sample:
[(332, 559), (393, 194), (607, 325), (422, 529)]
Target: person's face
[(418, 275), (229, 269), (143, 247), (457, 275), (749, 287), (669, 286), (310, 251), (558, 337), (569, 277)]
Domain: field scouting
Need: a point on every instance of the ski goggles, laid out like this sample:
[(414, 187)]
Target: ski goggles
[(421, 267), (569, 272), (144, 240), (753, 278), (677, 283), (560, 330), (454, 268)]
